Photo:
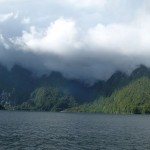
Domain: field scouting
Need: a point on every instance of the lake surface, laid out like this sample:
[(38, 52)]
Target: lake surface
[(73, 131)]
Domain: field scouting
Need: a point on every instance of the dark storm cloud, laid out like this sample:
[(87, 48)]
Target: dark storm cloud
[(90, 44)]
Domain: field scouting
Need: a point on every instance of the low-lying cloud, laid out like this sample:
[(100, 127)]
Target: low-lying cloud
[(90, 52)]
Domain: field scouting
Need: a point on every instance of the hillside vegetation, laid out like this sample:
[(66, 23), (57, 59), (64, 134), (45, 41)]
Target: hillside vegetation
[(22, 90), (133, 98)]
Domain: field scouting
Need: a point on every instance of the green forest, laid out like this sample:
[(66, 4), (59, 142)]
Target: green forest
[(120, 94), (133, 98)]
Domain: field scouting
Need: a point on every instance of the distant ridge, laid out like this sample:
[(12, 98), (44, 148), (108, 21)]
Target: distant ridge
[(20, 89)]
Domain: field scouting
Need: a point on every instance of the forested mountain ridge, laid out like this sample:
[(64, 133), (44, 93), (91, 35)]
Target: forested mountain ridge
[(20, 87), (131, 96), (121, 93)]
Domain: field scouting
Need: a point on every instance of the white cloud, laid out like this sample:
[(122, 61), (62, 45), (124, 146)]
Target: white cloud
[(26, 20), (63, 36), (16, 15), (3, 42), (101, 37), (88, 3), (5, 17), (59, 37), (100, 51)]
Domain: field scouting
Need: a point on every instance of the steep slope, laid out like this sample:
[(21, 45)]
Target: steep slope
[(22, 83), (51, 99), (15, 85), (116, 81), (18, 85), (132, 98), (78, 89), (140, 72), (119, 94)]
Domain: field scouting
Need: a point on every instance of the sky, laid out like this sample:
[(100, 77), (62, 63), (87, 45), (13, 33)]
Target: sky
[(82, 39)]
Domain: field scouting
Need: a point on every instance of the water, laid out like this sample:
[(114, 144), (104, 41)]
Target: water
[(70, 131)]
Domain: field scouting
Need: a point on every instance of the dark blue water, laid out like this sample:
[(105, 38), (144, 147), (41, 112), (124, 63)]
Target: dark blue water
[(68, 131)]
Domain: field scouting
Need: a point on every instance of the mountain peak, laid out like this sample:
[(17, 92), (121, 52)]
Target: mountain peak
[(140, 71)]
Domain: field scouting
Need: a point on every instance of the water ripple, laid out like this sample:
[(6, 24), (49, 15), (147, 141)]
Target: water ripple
[(69, 131)]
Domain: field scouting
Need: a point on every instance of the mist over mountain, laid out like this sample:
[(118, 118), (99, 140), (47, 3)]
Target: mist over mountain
[(21, 89), (67, 67), (122, 94), (71, 52), (90, 41)]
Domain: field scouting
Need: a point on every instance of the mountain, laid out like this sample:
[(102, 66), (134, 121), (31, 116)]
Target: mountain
[(121, 93), (131, 96), (19, 86), (139, 72), (51, 99), (16, 84), (78, 89)]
